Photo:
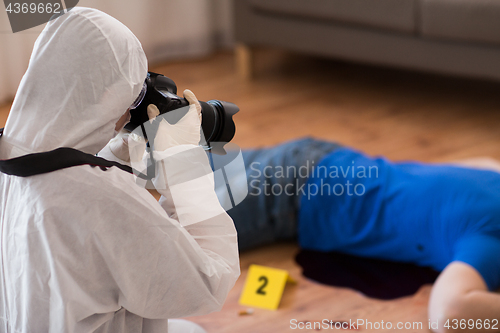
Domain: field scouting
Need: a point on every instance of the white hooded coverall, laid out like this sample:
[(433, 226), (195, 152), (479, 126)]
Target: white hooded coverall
[(87, 250)]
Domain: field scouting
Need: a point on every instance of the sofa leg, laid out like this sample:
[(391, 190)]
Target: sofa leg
[(244, 61)]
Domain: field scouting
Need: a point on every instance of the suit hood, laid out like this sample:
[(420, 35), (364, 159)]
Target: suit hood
[(86, 69)]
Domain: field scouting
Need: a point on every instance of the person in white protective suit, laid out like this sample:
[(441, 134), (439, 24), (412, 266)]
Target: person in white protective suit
[(88, 250)]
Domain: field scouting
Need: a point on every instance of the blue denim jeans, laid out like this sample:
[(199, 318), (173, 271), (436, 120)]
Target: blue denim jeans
[(276, 179)]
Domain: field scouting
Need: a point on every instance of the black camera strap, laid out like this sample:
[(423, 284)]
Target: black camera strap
[(60, 158)]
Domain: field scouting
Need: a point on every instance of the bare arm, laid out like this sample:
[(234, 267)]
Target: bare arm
[(461, 293), (484, 163)]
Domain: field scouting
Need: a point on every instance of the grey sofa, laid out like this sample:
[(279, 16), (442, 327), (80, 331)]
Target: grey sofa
[(459, 37)]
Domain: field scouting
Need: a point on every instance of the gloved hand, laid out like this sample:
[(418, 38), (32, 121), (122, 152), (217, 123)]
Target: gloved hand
[(127, 146), (184, 177), (185, 131)]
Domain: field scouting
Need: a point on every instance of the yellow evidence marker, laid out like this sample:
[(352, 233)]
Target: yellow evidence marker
[(264, 287)]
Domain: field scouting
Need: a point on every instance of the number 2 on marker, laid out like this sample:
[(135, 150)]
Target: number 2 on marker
[(261, 291)]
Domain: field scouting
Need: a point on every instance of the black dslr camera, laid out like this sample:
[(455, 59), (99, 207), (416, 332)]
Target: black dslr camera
[(217, 116)]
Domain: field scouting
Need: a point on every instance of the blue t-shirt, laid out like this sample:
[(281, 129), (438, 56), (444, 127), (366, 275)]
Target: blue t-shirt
[(429, 215)]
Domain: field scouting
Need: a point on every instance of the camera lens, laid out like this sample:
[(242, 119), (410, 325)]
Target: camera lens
[(217, 120)]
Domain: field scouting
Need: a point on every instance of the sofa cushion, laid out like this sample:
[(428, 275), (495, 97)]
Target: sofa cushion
[(468, 20), (388, 14)]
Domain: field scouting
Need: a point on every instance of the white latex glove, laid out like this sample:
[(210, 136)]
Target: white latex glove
[(183, 174), (127, 146), (185, 131)]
